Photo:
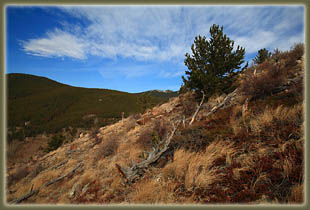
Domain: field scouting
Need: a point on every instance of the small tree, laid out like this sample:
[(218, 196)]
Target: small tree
[(262, 55), (213, 65)]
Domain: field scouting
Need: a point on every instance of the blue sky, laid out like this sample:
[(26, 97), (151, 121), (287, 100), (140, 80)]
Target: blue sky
[(135, 48)]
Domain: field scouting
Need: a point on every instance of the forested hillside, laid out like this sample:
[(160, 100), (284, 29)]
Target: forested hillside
[(38, 104)]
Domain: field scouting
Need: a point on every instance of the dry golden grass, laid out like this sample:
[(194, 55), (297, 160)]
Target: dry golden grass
[(197, 169), (151, 192), (236, 121), (216, 99), (280, 115)]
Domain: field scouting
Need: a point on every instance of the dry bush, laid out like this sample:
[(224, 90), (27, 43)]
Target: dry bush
[(158, 129), (195, 138), (290, 57), (145, 138), (263, 84), (108, 147), (131, 122), (188, 103), (296, 92), (161, 128)]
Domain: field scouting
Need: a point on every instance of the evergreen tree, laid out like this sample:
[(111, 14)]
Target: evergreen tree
[(213, 65), (262, 55)]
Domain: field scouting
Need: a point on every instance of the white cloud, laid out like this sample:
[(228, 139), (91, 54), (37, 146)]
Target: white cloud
[(56, 44), (259, 40), (165, 33), (166, 74)]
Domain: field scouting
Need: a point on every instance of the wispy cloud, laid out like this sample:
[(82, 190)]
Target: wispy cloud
[(56, 44), (165, 33), (168, 74)]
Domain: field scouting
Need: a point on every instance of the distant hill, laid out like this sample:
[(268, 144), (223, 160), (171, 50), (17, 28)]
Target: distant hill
[(162, 95), (51, 106)]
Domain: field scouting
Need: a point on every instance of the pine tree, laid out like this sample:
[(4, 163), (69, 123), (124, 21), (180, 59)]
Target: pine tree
[(262, 55), (213, 65)]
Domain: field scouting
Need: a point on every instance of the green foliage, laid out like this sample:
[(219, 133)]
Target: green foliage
[(262, 55), (55, 142), (213, 64)]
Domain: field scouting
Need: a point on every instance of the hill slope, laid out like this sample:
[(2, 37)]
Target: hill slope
[(51, 106), (245, 147)]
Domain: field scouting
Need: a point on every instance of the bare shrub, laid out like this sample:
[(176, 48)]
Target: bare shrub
[(145, 138), (192, 139), (188, 103), (290, 57), (263, 84), (108, 147), (157, 131), (131, 121), (161, 128)]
